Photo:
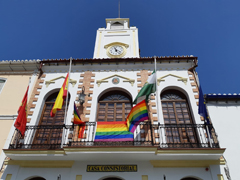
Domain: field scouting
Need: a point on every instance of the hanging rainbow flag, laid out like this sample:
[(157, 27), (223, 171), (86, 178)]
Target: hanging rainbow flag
[(77, 120), (137, 114), (113, 131)]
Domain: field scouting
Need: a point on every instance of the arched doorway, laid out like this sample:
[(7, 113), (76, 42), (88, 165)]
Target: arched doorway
[(111, 178), (49, 131), (179, 125), (37, 178), (189, 178)]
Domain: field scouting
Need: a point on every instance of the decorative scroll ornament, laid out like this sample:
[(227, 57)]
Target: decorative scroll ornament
[(105, 80), (184, 80), (52, 81)]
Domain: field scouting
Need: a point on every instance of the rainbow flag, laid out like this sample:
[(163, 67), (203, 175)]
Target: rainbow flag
[(77, 120), (113, 131), (137, 114)]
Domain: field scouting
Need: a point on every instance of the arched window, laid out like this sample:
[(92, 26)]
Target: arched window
[(49, 131), (114, 106), (177, 119), (175, 108), (189, 178), (37, 178), (2, 82), (58, 119)]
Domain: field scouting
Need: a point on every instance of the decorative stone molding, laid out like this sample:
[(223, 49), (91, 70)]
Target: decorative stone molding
[(86, 79), (52, 81), (116, 43), (115, 75), (184, 80), (35, 92)]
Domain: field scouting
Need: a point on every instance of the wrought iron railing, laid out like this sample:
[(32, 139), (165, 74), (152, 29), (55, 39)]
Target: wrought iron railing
[(146, 134), (187, 136)]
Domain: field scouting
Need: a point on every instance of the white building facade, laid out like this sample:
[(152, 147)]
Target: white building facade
[(174, 146), (224, 112)]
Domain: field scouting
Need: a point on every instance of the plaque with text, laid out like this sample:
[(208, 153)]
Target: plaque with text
[(112, 168)]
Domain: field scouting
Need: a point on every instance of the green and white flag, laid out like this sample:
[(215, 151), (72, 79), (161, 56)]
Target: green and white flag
[(148, 88)]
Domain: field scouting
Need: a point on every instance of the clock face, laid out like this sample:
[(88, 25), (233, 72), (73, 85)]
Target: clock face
[(116, 50)]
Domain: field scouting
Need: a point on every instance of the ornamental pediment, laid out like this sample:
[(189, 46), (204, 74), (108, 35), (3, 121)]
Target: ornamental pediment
[(52, 81), (106, 79), (179, 78)]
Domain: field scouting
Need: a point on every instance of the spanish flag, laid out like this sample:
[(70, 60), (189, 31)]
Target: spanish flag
[(21, 120), (77, 120), (60, 98)]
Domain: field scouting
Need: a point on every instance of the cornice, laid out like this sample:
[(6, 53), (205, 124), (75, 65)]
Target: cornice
[(162, 59)]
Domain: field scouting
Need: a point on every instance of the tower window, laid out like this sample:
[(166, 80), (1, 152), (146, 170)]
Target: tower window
[(117, 25)]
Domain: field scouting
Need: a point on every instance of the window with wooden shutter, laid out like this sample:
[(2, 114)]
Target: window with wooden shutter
[(49, 131), (114, 106), (177, 118)]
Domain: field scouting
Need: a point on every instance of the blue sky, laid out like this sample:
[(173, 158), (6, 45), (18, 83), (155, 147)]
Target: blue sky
[(53, 29)]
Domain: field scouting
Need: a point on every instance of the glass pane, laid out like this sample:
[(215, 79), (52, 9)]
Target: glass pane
[(183, 104), (164, 104), (119, 105), (173, 121), (170, 104), (110, 111), (119, 111), (128, 105), (180, 115), (166, 121), (177, 104), (110, 105), (102, 105), (165, 115)]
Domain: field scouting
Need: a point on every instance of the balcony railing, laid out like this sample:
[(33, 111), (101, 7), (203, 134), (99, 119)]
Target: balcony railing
[(146, 134)]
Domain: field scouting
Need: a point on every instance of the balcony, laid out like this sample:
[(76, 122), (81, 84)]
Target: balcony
[(163, 136)]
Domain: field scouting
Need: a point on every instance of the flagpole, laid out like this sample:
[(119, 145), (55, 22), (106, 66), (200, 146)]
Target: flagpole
[(66, 103), (157, 95)]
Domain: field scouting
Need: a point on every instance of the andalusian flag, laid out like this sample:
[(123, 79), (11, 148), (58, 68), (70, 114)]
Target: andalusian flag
[(60, 98), (77, 120), (148, 88), (138, 113), (21, 120)]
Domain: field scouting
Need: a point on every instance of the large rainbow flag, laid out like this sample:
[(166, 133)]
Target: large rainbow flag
[(137, 114), (113, 131), (77, 120)]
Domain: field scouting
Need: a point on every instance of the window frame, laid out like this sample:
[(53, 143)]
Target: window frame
[(115, 108), (5, 80)]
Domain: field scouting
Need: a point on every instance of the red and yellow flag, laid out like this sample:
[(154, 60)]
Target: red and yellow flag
[(21, 120), (77, 120), (60, 98)]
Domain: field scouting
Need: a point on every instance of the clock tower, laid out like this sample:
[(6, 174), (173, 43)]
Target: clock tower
[(117, 40)]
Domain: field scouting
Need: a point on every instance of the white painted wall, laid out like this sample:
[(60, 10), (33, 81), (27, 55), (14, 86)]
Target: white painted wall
[(144, 168), (225, 118)]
